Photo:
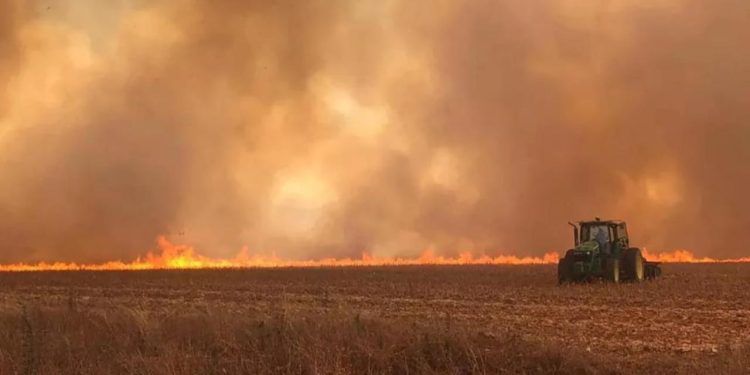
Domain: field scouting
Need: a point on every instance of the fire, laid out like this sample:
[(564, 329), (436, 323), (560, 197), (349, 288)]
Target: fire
[(685, 256), (176, 256)]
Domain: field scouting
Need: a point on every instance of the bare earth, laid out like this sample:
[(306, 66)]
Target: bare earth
[(692, 311)]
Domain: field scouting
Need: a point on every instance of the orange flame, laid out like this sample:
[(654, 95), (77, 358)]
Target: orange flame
[(174, 256), (685, 256)]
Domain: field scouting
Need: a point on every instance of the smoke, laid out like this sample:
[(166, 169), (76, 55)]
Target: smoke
[(8, 48), (324, 129)]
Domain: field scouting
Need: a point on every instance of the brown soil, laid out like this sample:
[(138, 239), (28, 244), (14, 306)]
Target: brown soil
[(695, 318)]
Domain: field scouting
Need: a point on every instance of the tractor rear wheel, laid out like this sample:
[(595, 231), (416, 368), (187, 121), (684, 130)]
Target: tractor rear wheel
[(612, 270), (634, 265)]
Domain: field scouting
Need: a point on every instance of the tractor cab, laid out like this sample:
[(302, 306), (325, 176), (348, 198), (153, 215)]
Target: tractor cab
[(609, 237)]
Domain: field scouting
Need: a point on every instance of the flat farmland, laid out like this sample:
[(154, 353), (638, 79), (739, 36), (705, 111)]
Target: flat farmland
[(697, 316)]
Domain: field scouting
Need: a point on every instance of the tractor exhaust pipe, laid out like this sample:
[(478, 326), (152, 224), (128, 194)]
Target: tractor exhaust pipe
[(576, 240)]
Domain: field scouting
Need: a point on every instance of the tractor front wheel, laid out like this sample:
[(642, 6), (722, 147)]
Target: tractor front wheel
[(612, 270), (563, 271)]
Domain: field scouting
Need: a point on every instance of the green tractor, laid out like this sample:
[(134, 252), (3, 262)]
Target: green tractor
[(602, 251)]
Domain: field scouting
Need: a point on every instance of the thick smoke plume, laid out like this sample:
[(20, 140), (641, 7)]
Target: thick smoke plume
[(325, 128)]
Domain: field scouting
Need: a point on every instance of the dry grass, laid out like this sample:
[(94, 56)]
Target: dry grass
[(68, 341)]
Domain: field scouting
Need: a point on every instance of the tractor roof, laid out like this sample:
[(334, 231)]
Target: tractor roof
[(602, 222)]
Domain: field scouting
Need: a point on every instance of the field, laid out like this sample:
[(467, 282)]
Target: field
[(447, 319)]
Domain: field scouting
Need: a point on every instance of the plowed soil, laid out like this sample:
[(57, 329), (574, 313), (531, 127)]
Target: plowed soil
[(692, 311)]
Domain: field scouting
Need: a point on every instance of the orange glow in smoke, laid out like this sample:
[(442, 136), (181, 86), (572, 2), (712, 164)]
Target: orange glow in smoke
[(173, 256)]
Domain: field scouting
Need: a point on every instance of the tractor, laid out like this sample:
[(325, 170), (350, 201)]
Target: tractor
[(602, 251)]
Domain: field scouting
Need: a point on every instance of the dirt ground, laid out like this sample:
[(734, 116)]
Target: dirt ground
[(694, 310)]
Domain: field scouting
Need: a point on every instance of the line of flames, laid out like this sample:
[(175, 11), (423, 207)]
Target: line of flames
[(685, 256), (175, 256)]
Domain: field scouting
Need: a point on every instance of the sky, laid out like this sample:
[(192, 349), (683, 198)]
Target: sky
[(328, 128)]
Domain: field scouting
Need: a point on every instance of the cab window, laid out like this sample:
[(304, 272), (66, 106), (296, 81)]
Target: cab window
[(599, 233), (622, 231)]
